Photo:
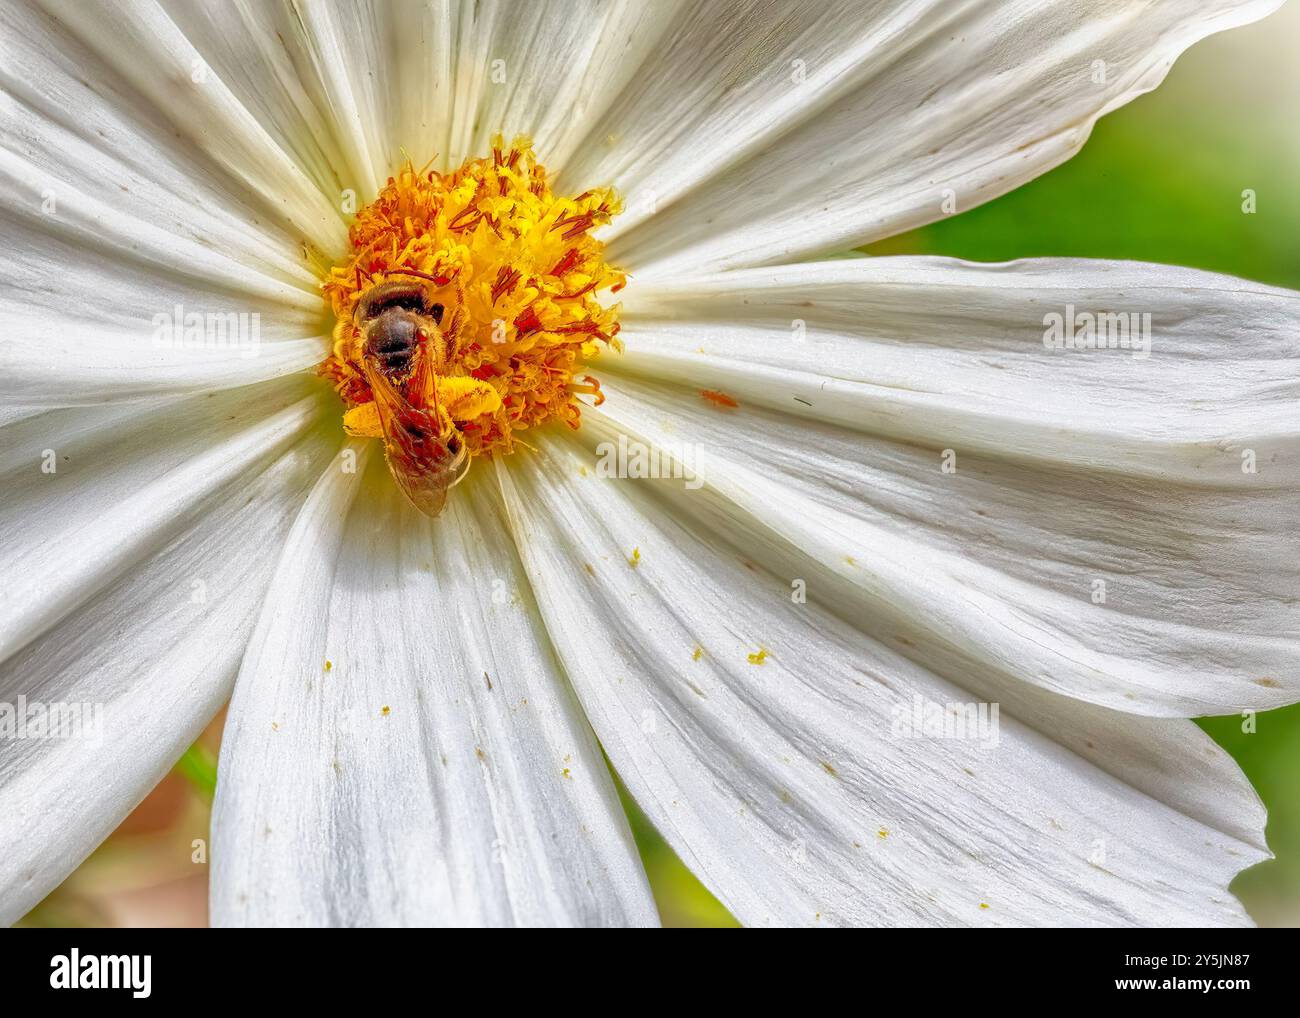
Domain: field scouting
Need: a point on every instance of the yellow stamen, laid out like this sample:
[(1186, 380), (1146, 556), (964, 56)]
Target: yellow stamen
[(518, 271)]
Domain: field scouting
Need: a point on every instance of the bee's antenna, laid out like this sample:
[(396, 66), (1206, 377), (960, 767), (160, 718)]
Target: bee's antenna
[(439, 280), (413, 272)]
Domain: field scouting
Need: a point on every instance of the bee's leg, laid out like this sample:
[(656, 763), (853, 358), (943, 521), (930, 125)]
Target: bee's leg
[(421, 387), (453, 330), (451, 334), (460, 465)]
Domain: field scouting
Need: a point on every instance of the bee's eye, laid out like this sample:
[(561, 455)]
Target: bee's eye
[(406, 301), (407, 296)]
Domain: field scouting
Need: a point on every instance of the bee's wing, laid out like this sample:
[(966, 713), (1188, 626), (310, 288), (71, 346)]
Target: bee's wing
[(424, 462)]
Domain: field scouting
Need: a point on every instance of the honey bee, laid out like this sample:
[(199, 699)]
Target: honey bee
[(408, 339)]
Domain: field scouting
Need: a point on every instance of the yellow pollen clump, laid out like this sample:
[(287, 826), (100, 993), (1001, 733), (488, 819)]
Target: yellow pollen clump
[(515, 272)]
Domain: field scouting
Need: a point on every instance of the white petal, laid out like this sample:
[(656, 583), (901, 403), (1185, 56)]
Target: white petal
[(1002, 564), (347, 55), (263, 53), (156, 652), (436, 81), (56, 360), (136, 47), (758, 134), (114, 221), (93, 160), (1078, 474), (438, 770), (951, 354), (63, 209), (548, 69), (80, 325), (785, 787), (90, 494)]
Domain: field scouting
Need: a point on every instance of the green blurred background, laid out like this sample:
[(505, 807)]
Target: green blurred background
[(1160, 180)]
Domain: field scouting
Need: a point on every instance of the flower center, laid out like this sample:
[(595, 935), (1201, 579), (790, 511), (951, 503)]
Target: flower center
[(465, 309)]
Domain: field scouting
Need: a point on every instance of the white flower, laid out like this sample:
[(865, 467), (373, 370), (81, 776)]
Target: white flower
[(1098, 543)]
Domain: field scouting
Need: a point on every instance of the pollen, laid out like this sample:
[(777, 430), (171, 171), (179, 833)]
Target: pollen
[(512, 277), (719, 399)]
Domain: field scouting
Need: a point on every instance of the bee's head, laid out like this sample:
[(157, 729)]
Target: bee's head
[(391, 340), (401, 320)]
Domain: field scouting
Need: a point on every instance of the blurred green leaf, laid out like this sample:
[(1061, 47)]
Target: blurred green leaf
[(199, 767)]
